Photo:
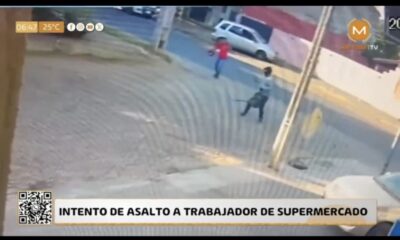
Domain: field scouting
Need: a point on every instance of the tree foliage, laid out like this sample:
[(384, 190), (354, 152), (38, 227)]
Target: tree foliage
[(386, 48)]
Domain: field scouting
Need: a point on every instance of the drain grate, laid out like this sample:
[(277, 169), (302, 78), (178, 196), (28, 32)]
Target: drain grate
[(298, 164)]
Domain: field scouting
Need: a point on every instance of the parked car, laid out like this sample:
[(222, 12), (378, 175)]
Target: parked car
[(179, 11), (245, 39), (384, 188), (145, 11), (395, 230)]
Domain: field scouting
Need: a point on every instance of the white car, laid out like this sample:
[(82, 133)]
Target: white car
[(146, 11), (385, 188), (245, 39)]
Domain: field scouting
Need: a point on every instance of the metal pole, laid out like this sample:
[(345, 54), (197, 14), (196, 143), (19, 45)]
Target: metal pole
[(300, 89), (392, 150), (171, 11), (296, 91), (158, 28), (164, 26)]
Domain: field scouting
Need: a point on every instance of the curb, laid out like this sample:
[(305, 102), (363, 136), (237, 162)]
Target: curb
[(191, 30), (194, 23), (59, 50), (131, 39), (108, 45)]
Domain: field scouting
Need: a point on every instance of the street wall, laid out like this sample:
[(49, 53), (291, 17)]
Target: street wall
[(293, 50), (377, 89)]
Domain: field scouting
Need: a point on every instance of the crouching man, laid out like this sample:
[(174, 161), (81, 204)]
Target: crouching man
[(261, 97)]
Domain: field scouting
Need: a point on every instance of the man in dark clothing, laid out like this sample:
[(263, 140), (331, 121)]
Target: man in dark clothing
[(257, 101), (261, 97)]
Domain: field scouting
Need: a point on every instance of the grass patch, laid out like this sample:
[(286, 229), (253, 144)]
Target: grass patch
[(128, 38)]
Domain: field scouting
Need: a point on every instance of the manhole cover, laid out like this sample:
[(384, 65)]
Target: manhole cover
[(298, 164)]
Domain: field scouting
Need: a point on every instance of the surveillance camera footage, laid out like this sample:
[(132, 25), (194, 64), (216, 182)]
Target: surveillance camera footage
[(283, 103)]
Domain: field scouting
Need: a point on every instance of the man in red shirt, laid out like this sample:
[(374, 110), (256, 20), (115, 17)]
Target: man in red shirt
[(222, 47)]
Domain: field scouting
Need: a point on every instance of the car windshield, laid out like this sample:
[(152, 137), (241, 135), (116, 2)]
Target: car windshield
[(391, 183)]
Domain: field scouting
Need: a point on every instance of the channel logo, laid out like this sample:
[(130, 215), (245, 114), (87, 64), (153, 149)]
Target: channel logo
[(359, 30)]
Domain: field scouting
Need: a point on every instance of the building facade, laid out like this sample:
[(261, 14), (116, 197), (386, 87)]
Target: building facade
[(211, 15), (291, 28)]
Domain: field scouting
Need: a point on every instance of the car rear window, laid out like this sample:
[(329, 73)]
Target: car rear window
[(237, 30), (224, 26), (248, 35)]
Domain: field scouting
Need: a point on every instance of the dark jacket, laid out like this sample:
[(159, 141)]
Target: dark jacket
[(258, 100)]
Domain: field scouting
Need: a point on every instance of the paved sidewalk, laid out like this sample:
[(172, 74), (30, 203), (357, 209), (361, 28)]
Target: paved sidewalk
[(103, 129), (225, 92), (148, 128), (203, 101)]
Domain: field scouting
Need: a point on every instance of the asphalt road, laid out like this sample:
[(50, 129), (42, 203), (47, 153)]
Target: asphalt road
[(340, 138)]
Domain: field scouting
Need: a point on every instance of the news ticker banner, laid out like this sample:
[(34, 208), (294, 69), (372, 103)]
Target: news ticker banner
[(216, 211)]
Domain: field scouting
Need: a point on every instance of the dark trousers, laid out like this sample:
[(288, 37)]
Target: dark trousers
[(218, 66), (260, 108)]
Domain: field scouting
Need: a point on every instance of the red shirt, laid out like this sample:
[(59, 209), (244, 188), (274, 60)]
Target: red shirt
[(223, 50)]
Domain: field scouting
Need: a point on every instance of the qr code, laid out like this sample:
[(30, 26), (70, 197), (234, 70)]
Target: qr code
[(35, 207)]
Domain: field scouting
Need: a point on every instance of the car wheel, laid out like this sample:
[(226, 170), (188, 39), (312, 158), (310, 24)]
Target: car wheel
[(261, 55), (380, 229), (219, 39)]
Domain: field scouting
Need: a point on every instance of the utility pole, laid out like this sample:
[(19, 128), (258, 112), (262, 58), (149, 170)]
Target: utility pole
[(392, 150), (164, 26), (305, 77)]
